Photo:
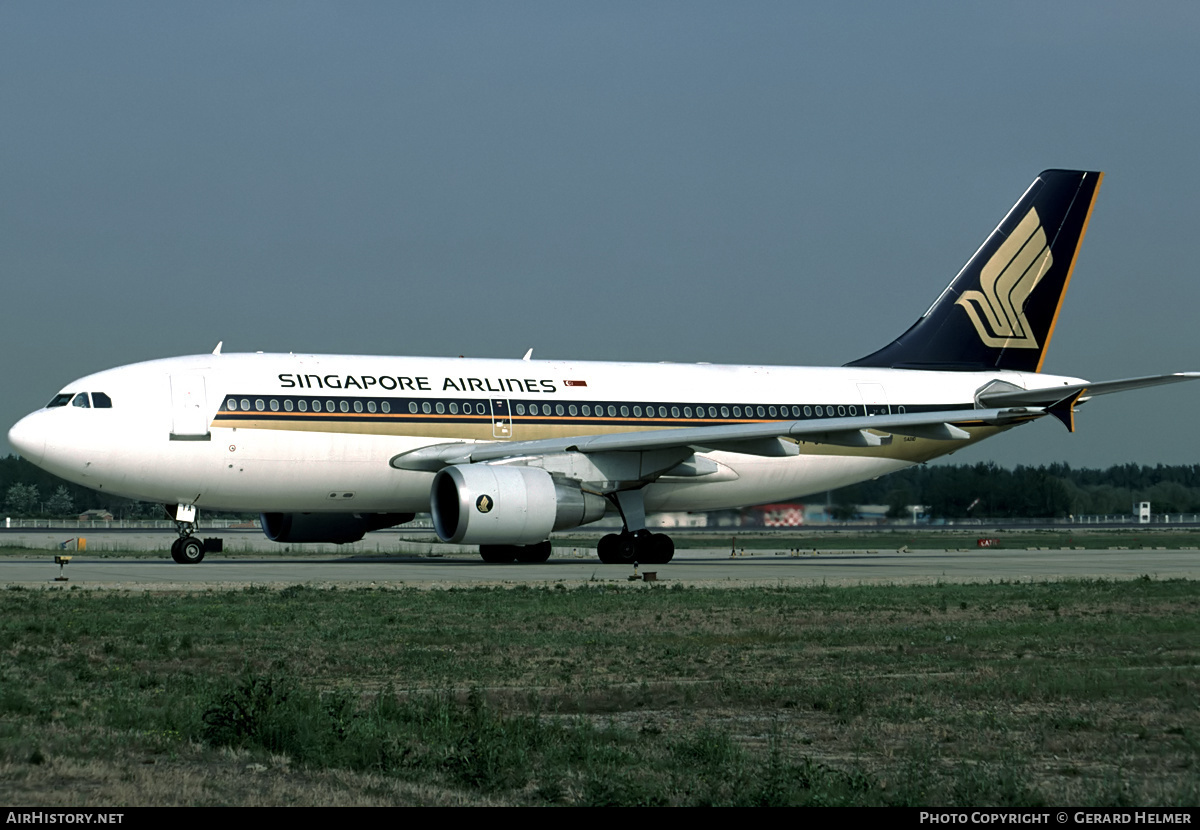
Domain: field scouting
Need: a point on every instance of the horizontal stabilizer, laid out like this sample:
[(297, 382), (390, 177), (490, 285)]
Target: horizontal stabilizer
[(1064, 410), (1008, 395)]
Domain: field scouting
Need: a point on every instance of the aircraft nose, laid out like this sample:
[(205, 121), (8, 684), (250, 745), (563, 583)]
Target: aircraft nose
[(28, 438)]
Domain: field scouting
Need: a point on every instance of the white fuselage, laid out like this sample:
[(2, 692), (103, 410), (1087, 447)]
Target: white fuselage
[(304, 433)]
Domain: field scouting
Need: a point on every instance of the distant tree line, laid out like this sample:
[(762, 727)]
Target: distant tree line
[(1053, 490), (950, 492)]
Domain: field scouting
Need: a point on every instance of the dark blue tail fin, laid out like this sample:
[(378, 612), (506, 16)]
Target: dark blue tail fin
[(1000, 311)]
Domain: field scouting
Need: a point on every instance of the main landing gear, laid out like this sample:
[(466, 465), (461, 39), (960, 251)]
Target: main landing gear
[(641, 546), (634, 543), (503, 554)]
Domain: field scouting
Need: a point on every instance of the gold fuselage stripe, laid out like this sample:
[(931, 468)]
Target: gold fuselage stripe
[(475, 427)]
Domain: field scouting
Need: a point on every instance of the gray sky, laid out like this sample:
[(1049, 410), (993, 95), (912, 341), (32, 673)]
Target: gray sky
[(740, 183)]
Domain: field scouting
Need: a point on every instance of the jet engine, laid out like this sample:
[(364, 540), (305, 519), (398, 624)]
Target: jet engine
[(337, 528), (502, 505)]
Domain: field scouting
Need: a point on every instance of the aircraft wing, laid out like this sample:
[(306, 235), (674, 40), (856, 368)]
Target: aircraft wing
[(752, 439)]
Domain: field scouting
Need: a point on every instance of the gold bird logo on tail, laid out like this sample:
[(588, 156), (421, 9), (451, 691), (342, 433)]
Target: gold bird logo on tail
[(1007, 280)]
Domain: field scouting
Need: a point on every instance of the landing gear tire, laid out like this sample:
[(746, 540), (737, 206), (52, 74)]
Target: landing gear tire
[(497, 554), (643, 547), (617, 549), (535, 553), (657, 549), (187, 550), (504, 554)]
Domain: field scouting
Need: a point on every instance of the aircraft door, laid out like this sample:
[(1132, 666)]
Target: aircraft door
[(501, 419), (189, 408), (874, 398)]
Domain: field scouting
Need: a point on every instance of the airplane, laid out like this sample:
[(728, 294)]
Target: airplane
[(502, 453)]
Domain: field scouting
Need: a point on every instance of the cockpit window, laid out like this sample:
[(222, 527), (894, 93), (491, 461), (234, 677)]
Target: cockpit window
[(99, 400)]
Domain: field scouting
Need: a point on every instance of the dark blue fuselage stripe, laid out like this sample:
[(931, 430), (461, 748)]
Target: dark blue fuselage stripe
[(508, 410)]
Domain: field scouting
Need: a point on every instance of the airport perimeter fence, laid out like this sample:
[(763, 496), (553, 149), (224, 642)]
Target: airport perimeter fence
[(1113, 520), (121, 524), (424, 522), (1125, 518), (156, 524)]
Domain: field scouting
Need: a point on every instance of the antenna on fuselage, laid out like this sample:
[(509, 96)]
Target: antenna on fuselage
[(217, 350), (528, 355)]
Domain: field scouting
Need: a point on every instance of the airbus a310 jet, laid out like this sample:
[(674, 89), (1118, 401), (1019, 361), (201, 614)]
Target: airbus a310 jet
[(504, 452)]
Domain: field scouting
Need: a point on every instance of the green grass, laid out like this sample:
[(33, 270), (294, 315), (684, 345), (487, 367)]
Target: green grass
[(952, 695)]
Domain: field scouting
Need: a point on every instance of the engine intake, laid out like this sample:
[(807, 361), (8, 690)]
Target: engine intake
[(337, 528), (499, 505)]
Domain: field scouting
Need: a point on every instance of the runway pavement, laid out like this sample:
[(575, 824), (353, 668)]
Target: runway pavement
[(570, 566)]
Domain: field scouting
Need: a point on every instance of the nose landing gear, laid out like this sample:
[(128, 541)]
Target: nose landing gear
[(187, 550)]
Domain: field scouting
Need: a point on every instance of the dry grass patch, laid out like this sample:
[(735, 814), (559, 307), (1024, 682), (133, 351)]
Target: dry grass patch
[(1018, 695)]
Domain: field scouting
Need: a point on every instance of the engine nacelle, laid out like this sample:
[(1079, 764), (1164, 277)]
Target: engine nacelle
[(499, 505), (338, 528)]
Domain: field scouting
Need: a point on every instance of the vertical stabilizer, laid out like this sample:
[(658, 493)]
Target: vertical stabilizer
[(1000, 311)]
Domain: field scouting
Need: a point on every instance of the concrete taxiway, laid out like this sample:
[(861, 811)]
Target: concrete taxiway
[(712, 568)]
